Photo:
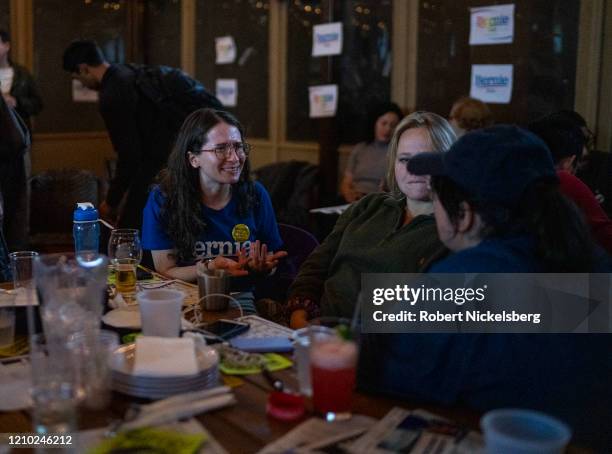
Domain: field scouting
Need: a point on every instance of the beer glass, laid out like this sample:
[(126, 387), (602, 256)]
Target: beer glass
[(125, 253)]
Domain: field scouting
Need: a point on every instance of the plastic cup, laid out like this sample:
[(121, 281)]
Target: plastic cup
[(160, 312), (519, 431)]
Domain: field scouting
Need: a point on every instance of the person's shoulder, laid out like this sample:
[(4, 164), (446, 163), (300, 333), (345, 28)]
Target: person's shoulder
[(490, 256), (156, 196), (376, 202), (360, 147)]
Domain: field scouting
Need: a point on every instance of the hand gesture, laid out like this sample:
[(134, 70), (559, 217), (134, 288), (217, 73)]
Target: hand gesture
[(233, 267), (259, 260)]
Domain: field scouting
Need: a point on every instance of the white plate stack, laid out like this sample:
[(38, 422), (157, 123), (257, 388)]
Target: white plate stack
[(124, 381)]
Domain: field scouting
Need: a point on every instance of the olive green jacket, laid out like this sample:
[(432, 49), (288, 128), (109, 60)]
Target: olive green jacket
[(369, 237)]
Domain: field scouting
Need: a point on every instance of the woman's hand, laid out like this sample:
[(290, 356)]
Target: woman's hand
[(299, 319), (259, 260), (233, 267)]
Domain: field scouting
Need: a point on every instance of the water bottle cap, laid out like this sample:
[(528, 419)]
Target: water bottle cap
[(85, 211)]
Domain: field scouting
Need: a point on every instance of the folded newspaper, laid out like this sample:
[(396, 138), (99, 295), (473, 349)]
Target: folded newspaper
[(416, 432)]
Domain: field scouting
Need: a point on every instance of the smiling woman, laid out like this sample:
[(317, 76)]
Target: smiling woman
[(207, 208)]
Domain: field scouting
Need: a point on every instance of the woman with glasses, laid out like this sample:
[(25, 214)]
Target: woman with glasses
[(206, 207)]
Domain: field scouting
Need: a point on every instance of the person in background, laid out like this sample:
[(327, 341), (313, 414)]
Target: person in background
[(17, 84), (566, 142), (207, 208), (141, 130), (468, 114), (498, 208), (382, 233), (19, 92), (595, 166), (367, 163)]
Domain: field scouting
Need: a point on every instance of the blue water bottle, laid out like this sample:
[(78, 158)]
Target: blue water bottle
[(86, 231)]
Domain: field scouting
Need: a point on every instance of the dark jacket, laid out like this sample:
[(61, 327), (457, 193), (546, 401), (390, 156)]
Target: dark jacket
[(25, 92), (369, 237), (566, 375)]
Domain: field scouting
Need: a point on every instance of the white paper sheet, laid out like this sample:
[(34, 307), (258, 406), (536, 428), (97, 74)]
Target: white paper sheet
[(492, 83), (225, 50), (327, 39), (323, 100), (492, 24), (316, 433), (227, 91)]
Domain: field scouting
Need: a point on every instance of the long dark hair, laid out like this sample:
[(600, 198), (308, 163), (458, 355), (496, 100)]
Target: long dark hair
[(564, 242), (181, 213), (374, 113)]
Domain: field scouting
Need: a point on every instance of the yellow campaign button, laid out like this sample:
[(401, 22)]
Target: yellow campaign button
[(241, 232)]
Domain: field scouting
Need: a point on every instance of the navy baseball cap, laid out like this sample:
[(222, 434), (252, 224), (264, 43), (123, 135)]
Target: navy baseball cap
[(494, 164)]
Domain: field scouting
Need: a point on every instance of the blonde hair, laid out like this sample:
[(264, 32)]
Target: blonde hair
[(440, 133)]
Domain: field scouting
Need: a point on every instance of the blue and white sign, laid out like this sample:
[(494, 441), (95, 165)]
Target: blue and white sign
[(492, 24), (492, 83), (327, 39), (227, 92)]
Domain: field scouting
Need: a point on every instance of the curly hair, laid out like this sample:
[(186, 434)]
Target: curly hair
[(181, 212)]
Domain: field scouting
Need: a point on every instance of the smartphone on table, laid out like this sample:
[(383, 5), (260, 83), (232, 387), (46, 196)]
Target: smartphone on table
[(226, 329)]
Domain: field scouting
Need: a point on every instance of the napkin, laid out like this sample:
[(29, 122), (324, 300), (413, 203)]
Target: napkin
[(151, 440), (165, 356)]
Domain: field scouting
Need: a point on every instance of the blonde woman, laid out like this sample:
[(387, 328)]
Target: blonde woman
[(382, 233)]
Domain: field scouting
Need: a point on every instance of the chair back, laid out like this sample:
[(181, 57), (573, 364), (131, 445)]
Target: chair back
[(54, 194), (299, 244)]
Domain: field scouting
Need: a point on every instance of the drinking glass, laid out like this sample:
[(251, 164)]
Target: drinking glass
[(333, 362), (125, 253), (22, 269), (71, 294), (91, 354), (7, 321), (53, 387)]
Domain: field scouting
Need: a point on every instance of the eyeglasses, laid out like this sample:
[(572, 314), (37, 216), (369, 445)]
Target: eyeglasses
[(224, 150)]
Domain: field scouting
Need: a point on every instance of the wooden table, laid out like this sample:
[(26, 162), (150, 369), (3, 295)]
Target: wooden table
[(243, 427)]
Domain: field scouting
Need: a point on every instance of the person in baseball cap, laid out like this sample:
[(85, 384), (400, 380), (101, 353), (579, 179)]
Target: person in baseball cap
[(498, 207)]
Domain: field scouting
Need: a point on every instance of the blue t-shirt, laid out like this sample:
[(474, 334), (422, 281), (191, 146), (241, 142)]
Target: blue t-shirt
[(226, 232)]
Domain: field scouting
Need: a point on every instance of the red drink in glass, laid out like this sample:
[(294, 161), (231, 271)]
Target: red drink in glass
[(332, 365)]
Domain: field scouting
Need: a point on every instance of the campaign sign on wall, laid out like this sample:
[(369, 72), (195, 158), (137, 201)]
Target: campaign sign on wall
[(227, 91), (327, 39), (323, 100), (492, 24), (492, 83), (225, 50)]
